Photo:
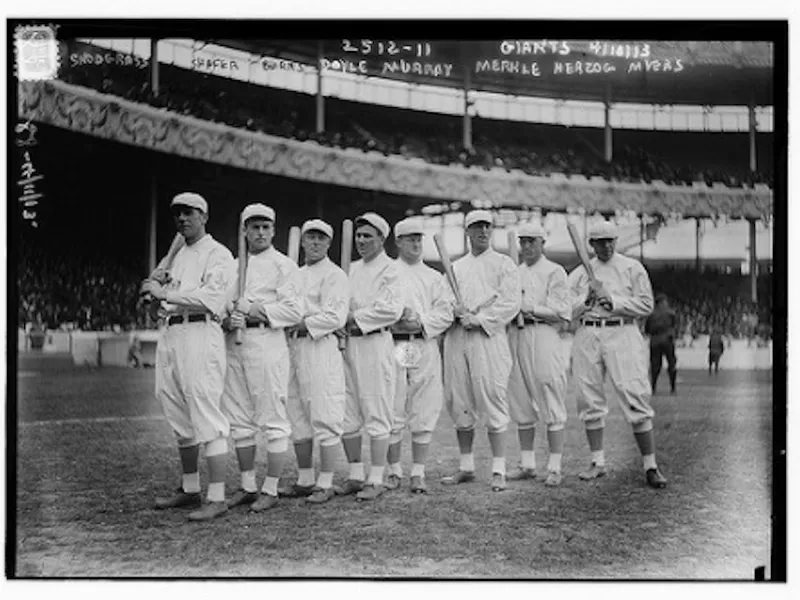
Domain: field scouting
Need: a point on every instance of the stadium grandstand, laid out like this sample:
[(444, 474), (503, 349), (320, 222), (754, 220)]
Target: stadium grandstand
[(676, 146)]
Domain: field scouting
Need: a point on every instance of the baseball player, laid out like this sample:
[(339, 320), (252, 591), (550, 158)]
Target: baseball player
[(538, 382), (608, 341), (715, 349), (256, 384), (190, 357), (661, 326), (316, 383), (427, 313), (375, 304), (477, 357)]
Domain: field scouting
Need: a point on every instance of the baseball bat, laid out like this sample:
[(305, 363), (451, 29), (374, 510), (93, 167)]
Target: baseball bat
[(294, 243), (242, 271), (580, 248), (513, 252), (346, 258), (448, 267), (177, 243)]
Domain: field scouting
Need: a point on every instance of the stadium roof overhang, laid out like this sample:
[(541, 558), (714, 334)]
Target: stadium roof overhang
[(699, 73)]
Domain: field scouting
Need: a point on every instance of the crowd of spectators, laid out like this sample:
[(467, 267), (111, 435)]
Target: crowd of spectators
[(65, 291), (713, 300), (530, 148)]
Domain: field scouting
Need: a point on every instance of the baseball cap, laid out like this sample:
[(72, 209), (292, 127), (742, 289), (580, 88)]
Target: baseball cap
[(603, 231), (192, 200), (409, 226), (317, 225), (478, 216), (257, 210), (377, 221), (531, 230)]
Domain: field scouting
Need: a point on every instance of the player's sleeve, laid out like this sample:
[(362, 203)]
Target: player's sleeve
[(287, 309), (439, 317), (494, 318), (212, 292), (577, 288), (640, 301), (557, 304), (387, 305), (334, 299)]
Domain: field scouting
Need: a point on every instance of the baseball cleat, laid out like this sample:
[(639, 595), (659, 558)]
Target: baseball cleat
[(418, 485), (320, 496), (498, 482), (460, 477), (553, 479), (210, 510), (241, 498), (181, 499), (265, 502), (371, 491), (594, 472), (351, 486), (392, 482), (296, 491), (521, 474), (655, 479)]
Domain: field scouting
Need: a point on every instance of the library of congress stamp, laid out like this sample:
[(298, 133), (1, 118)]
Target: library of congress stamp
[(36, 50)]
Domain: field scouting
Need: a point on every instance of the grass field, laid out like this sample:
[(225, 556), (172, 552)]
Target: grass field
[(93, 451)]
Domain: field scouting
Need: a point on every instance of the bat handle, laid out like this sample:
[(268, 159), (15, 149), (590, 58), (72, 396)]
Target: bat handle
[(239, 337), (520, 320)]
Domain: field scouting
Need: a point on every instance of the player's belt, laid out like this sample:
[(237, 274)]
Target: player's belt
[(407, 337), (298, 334), (196, 318), (256, 324), (533, 321), (360, 333), (607, 322)]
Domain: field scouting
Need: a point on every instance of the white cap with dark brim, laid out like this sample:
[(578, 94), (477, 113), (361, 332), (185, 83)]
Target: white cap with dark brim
[(377, 221), (317, 225), (478, 216), (531, 230), (603, 231), (192, 200), (258, 210), (410, 226)]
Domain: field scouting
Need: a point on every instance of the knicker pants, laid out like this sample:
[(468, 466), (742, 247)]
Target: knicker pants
[(256, 384), (476, 371), (370, 379), (190, 374), (621, 353), (316, 389), (419, 393)]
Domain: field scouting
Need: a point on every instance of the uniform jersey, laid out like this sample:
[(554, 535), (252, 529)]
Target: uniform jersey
[(661, 325), (544, 290), (626, 281), (425, 291)]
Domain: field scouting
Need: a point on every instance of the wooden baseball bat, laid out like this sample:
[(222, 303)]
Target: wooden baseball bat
[(448, 267), (178, 242), (513, 252), (346, 258), (294, 244), (580, 248), (242, 270)]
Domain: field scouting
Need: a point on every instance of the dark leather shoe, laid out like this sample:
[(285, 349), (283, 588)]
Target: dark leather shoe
[(210, 510), (296, 491), (265, 502), (521, 474), (320, 496), (460, 477), (371, 491), (351, 486), (180, 499), (418, 485), (392, 482), (241, 498), (655, 479)]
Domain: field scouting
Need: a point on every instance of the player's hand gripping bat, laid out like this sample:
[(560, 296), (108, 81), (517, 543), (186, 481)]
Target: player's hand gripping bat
[(346, 257), (161, 275), (583, 255), (448, 269), (513, 252)]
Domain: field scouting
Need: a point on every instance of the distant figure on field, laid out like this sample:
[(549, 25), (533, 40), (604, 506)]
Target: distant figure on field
[(715, 350)]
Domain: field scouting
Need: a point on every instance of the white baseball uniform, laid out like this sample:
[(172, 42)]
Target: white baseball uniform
[(258, 369), (376, 301), (538, 382), (477, 363), (611, 342), (316, 384), (190, 358), (419, 392)]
